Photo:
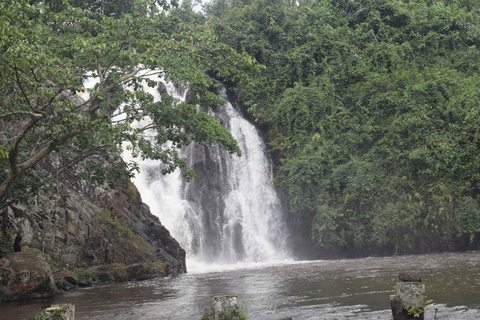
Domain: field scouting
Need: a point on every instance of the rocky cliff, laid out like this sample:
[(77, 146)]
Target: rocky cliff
[(99, 231)]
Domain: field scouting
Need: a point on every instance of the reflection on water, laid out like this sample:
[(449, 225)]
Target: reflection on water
[(334, 289)]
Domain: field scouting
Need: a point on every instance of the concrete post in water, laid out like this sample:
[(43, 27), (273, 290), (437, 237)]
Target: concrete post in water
[(64, 311), (409, 302), (224, 304)]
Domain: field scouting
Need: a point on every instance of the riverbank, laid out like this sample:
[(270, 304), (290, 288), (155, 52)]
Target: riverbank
[(33, 275)]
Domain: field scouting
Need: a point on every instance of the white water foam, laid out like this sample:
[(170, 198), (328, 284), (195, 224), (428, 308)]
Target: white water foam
[(251, 203), (248, 230)]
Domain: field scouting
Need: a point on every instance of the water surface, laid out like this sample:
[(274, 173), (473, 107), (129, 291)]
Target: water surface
[(325, 289)]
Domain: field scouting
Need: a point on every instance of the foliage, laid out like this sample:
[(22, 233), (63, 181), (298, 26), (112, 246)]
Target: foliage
[(6, 246), (42, 316), (56, 315), (372, 113), (47, 51), (119, 272), (418, 312), (54, 261), (235, 313), (121, 232), (155, 266), (468, 217), (124, 231), (84, 274)]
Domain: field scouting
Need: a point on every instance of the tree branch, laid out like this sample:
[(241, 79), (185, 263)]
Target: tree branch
[(99, 70), (45, 151), (80, 158), (32, 114), (23, 90)]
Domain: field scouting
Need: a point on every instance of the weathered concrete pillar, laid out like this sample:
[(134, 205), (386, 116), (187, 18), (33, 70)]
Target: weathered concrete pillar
[(65, 311), (224, 304), (409, 302)]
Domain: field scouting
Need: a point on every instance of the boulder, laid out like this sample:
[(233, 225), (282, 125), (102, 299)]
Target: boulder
[(410, 277), (26, 275), (67, 280)]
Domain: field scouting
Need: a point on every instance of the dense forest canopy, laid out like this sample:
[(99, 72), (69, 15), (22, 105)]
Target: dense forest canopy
[(49, 48), (370, 107), (372, 112)]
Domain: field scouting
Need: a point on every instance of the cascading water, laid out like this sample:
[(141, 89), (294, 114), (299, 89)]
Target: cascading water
[(230, 213)]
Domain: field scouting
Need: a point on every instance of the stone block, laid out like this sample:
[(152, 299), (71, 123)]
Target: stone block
[(411, 294), (397, 308), (224, 304), (65, 311)]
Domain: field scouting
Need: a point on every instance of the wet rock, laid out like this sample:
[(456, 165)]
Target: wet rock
[(102, 274), (26, 275), (76, 100), (67, 280), (397, 307), (189, 97), (120, 272), (144, 271), (65, 311), (409, 277), (162, 88), (180, 88)]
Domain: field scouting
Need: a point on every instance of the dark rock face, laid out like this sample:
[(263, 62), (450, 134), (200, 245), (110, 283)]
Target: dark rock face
[(110, 226), (26, 275), (86, 225), (161, 88), (188, 97), (207, 192), (180, 88)]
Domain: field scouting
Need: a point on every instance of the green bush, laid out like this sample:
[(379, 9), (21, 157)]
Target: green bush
[(84, 274), (236, 313), (371, 113), (119, 272)]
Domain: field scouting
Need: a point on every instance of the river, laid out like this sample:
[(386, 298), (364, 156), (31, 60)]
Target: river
[(324, 289), (232, 214)]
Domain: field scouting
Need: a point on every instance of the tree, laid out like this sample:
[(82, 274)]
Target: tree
[(46, 53), (372, 113)]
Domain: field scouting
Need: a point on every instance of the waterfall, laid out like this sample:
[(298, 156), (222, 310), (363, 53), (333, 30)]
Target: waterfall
[(230, 213)]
